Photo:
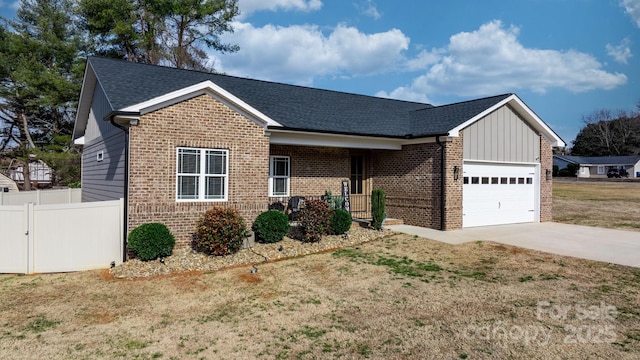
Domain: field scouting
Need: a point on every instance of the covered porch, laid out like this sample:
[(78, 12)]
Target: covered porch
[(360, 204)]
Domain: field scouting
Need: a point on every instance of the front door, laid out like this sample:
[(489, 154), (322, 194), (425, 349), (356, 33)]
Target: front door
[(360, 199)]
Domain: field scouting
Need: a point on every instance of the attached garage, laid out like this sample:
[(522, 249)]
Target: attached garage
[(501, 170), (499, 193)]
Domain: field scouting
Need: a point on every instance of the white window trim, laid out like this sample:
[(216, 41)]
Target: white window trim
[(601, 170), (202, 176), (272, 176)]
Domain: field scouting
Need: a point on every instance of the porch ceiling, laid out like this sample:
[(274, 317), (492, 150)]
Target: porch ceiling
[(284, 137)]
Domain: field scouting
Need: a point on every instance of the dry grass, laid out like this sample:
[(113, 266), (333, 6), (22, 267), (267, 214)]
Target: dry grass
[(399, 297), (610, 205), (396, 298)]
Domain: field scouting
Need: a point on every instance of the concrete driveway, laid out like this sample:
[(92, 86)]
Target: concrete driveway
[(612, 246)]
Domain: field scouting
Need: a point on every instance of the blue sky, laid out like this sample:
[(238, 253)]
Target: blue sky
[(564, 58)]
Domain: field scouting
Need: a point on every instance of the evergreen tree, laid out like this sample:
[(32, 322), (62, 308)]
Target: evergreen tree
[(40, 72), (171, 32)]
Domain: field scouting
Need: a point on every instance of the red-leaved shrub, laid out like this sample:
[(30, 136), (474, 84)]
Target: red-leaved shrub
[(315, 220), (220, 231)]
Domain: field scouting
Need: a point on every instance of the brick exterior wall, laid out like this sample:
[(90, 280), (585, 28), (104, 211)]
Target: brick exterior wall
[(546, 186), (411, 181), (453, 188), (200, 122), (315, 169)]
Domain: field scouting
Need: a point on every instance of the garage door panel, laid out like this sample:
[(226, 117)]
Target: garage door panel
[(498, 194)]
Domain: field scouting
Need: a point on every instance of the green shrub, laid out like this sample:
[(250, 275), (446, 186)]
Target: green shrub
[(556, 170), (335, 202), (75, 185), (219, 232), (377, 208), (151, 241), (573, 169), (271, 226), (340, 221), (315, 220), (563, 172)]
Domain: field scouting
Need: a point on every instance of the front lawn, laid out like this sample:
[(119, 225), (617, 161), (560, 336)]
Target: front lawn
[(396, 298), (609, 205)]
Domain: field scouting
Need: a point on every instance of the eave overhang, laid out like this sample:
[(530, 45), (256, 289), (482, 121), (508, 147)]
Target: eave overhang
[(523, 110), (203, 88), (352, 141)]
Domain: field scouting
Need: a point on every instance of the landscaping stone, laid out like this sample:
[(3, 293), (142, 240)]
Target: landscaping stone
[(186, 260)]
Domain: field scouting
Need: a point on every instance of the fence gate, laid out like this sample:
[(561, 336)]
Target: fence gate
[(60, 238), (13, 239)]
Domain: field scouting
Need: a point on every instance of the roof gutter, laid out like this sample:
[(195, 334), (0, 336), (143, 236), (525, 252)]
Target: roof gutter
[(123, 118), (116, 119), (345, 133)]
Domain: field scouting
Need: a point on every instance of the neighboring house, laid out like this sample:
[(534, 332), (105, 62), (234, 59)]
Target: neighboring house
[(598, 166), (7, 185), (39, 173), (175, 143)]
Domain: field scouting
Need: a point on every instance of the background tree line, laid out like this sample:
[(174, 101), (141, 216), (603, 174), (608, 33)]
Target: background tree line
[(42, 59), (608, 133)]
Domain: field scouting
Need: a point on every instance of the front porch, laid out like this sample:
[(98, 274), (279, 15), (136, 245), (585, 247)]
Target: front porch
[(359, 204), (360, 207)]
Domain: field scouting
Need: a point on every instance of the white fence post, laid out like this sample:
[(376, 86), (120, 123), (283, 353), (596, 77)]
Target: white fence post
[(29, 210)]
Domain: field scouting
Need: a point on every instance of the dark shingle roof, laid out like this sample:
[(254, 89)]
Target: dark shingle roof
[(295, 107), (601, 160)]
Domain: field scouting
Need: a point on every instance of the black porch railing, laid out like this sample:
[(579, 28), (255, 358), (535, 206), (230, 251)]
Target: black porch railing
[(360, 204)]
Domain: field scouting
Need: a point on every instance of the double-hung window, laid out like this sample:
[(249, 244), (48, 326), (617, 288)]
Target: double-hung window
[(279, 174), (202, 174)]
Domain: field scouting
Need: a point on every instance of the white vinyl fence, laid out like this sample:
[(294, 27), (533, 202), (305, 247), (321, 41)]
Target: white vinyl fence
[(60, 238), (42, 197)]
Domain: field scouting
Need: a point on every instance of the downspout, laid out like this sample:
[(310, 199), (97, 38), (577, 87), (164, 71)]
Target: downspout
[(443, 158), (126, 185)]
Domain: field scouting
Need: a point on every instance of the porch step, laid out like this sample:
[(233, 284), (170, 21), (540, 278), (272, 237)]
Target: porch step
[(394, 222), (367, 222)]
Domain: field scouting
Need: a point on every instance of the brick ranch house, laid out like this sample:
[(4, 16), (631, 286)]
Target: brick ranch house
[(175, 143)]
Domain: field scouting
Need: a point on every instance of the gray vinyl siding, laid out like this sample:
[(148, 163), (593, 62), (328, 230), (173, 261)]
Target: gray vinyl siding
[(96, 126), (501, 136), (102, 180)]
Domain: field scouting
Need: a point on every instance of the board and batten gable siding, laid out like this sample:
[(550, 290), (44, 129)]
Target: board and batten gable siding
[(102, 180), (96, 126), (501, 136)]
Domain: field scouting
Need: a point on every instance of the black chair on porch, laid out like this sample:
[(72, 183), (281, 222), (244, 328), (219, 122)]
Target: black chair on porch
[(296, 203)]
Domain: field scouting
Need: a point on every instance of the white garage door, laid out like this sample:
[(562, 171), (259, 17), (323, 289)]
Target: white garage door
[(495, 194)]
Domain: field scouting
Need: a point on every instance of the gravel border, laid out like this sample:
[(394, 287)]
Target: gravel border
[(186, 260)]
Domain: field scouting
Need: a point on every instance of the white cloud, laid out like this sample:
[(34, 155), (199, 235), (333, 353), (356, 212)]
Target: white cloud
[(621, 52), (249, 6), (632, 7), (424, 59), (300, 53), (490, 61), (406, 93), (11, 5), (370, 9)]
